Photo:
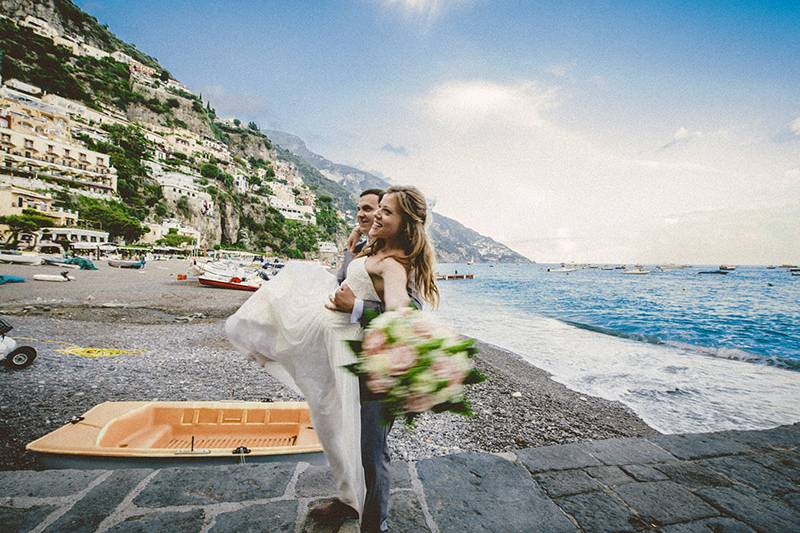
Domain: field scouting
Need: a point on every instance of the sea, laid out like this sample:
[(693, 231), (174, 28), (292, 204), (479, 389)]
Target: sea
[(687, 352)]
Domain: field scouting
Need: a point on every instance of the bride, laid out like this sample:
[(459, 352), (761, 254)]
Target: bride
[(288, 328)]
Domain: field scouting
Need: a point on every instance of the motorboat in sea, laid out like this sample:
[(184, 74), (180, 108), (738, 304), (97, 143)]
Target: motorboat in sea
[(729, 268), (723, 272), (638, 270), (444, 277), (562, 269), (143, 434)]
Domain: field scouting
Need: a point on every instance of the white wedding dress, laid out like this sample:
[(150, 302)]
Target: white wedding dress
[(285, 328)]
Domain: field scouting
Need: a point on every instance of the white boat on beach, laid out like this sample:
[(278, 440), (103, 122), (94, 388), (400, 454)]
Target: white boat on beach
[(125, 263), (21, 259), (54, 277)]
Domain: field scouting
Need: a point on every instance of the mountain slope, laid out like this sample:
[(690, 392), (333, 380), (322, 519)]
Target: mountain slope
[(454, 241)]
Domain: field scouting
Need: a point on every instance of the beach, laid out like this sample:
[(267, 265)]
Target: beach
[(171, 335)]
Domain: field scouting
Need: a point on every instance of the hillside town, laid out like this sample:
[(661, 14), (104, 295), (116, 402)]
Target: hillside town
[(51, 152)]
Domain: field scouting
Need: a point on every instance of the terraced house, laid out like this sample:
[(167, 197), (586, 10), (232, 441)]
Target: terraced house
[(36, 147)]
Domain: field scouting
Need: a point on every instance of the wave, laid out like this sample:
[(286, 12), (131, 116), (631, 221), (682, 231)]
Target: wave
[(733, 354)]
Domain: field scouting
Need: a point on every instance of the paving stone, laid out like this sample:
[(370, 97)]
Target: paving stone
[(644, 473), (563, 457), (715, 525), (664, 502), (598, 512), (311, 526), (482, 492), (610, 475), (744, 470), (627, 451), (764, 514), (174, 522), (401, 479), (100, 502), (787, 463), (269, 517), (47, 483), (693, 475), (215, 484), (22, 520), (316, 481), (699, 445), (405, 513), (761, 439), (566, 482), (793, 499)]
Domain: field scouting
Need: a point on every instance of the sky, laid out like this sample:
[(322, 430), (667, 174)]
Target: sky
[(571, 131)]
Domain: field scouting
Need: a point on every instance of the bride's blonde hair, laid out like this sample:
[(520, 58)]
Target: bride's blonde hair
[(420, 256)]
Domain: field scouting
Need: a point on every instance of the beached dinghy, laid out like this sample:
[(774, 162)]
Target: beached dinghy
[(157, 434), (122, 263), (210, 280), (59, 262), (54, 277), (20, 259)]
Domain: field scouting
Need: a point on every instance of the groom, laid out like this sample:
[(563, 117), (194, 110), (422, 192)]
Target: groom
[(374, 428)]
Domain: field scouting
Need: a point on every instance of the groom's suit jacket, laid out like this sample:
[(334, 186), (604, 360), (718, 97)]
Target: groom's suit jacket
[(375, 306)]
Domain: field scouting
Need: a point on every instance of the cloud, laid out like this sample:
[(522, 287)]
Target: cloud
[(681, 136), (396, 150), (508, 159), (560, 71), (423, 11)]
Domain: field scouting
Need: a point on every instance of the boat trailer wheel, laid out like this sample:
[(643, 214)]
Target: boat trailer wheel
[(21, 358)]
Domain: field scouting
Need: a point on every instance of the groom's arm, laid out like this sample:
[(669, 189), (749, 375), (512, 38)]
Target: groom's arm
[(371, 308)]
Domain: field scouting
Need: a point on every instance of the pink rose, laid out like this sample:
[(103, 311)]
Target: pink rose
[(419, 403), (401, 358), (448, 369), (374, 341), (379, 385), (424, 329)]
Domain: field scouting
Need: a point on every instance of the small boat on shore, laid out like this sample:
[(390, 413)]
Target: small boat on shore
[(20, 259), (235, 283), (54, 277), (125, 263), (157, 434), (60, 263)]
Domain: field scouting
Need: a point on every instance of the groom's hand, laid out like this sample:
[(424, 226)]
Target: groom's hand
[(342, 300)]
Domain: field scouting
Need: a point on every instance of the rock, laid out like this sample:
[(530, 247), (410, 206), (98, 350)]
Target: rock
[(516, 395)]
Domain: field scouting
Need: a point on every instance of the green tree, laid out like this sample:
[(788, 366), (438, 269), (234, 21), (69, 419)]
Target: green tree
[(29, 221), (210, 171), (172, 238), (111, 216), (164, 76), (237, 122), (183, 207), (253, 126)]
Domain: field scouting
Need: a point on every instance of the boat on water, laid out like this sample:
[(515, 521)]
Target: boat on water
[(125, 263), (230, 282), (638, 270), (20, 259), (728, 268), (195, 433), (723, 272), (444, 277), (562, 269)]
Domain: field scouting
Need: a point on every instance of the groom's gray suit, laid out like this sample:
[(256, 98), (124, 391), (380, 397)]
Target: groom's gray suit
[(375, 427)]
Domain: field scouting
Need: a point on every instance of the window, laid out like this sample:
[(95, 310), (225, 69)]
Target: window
[(50, 148), (19, 202), (6, 137), (94, 239), (28, 143), (83, 238)]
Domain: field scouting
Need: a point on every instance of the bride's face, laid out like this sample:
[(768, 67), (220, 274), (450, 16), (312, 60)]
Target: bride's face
[(388, 219)]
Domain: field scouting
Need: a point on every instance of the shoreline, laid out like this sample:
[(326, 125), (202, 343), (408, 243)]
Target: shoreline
[(176, 332)]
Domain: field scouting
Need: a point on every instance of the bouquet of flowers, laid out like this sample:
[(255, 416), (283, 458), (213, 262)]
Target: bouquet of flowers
[(413, 365)]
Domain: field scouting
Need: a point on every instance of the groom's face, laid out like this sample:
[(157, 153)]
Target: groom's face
[(365, 212)]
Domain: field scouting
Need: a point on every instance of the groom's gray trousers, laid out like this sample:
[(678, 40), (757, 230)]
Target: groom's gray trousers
[(375, 457)]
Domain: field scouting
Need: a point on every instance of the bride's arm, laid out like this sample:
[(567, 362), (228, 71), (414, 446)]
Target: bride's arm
[(395, 280)]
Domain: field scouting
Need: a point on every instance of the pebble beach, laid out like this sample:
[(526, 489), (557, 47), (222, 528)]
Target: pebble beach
[(170, 337)]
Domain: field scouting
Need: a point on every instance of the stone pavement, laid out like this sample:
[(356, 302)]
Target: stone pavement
[(733, 481)]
